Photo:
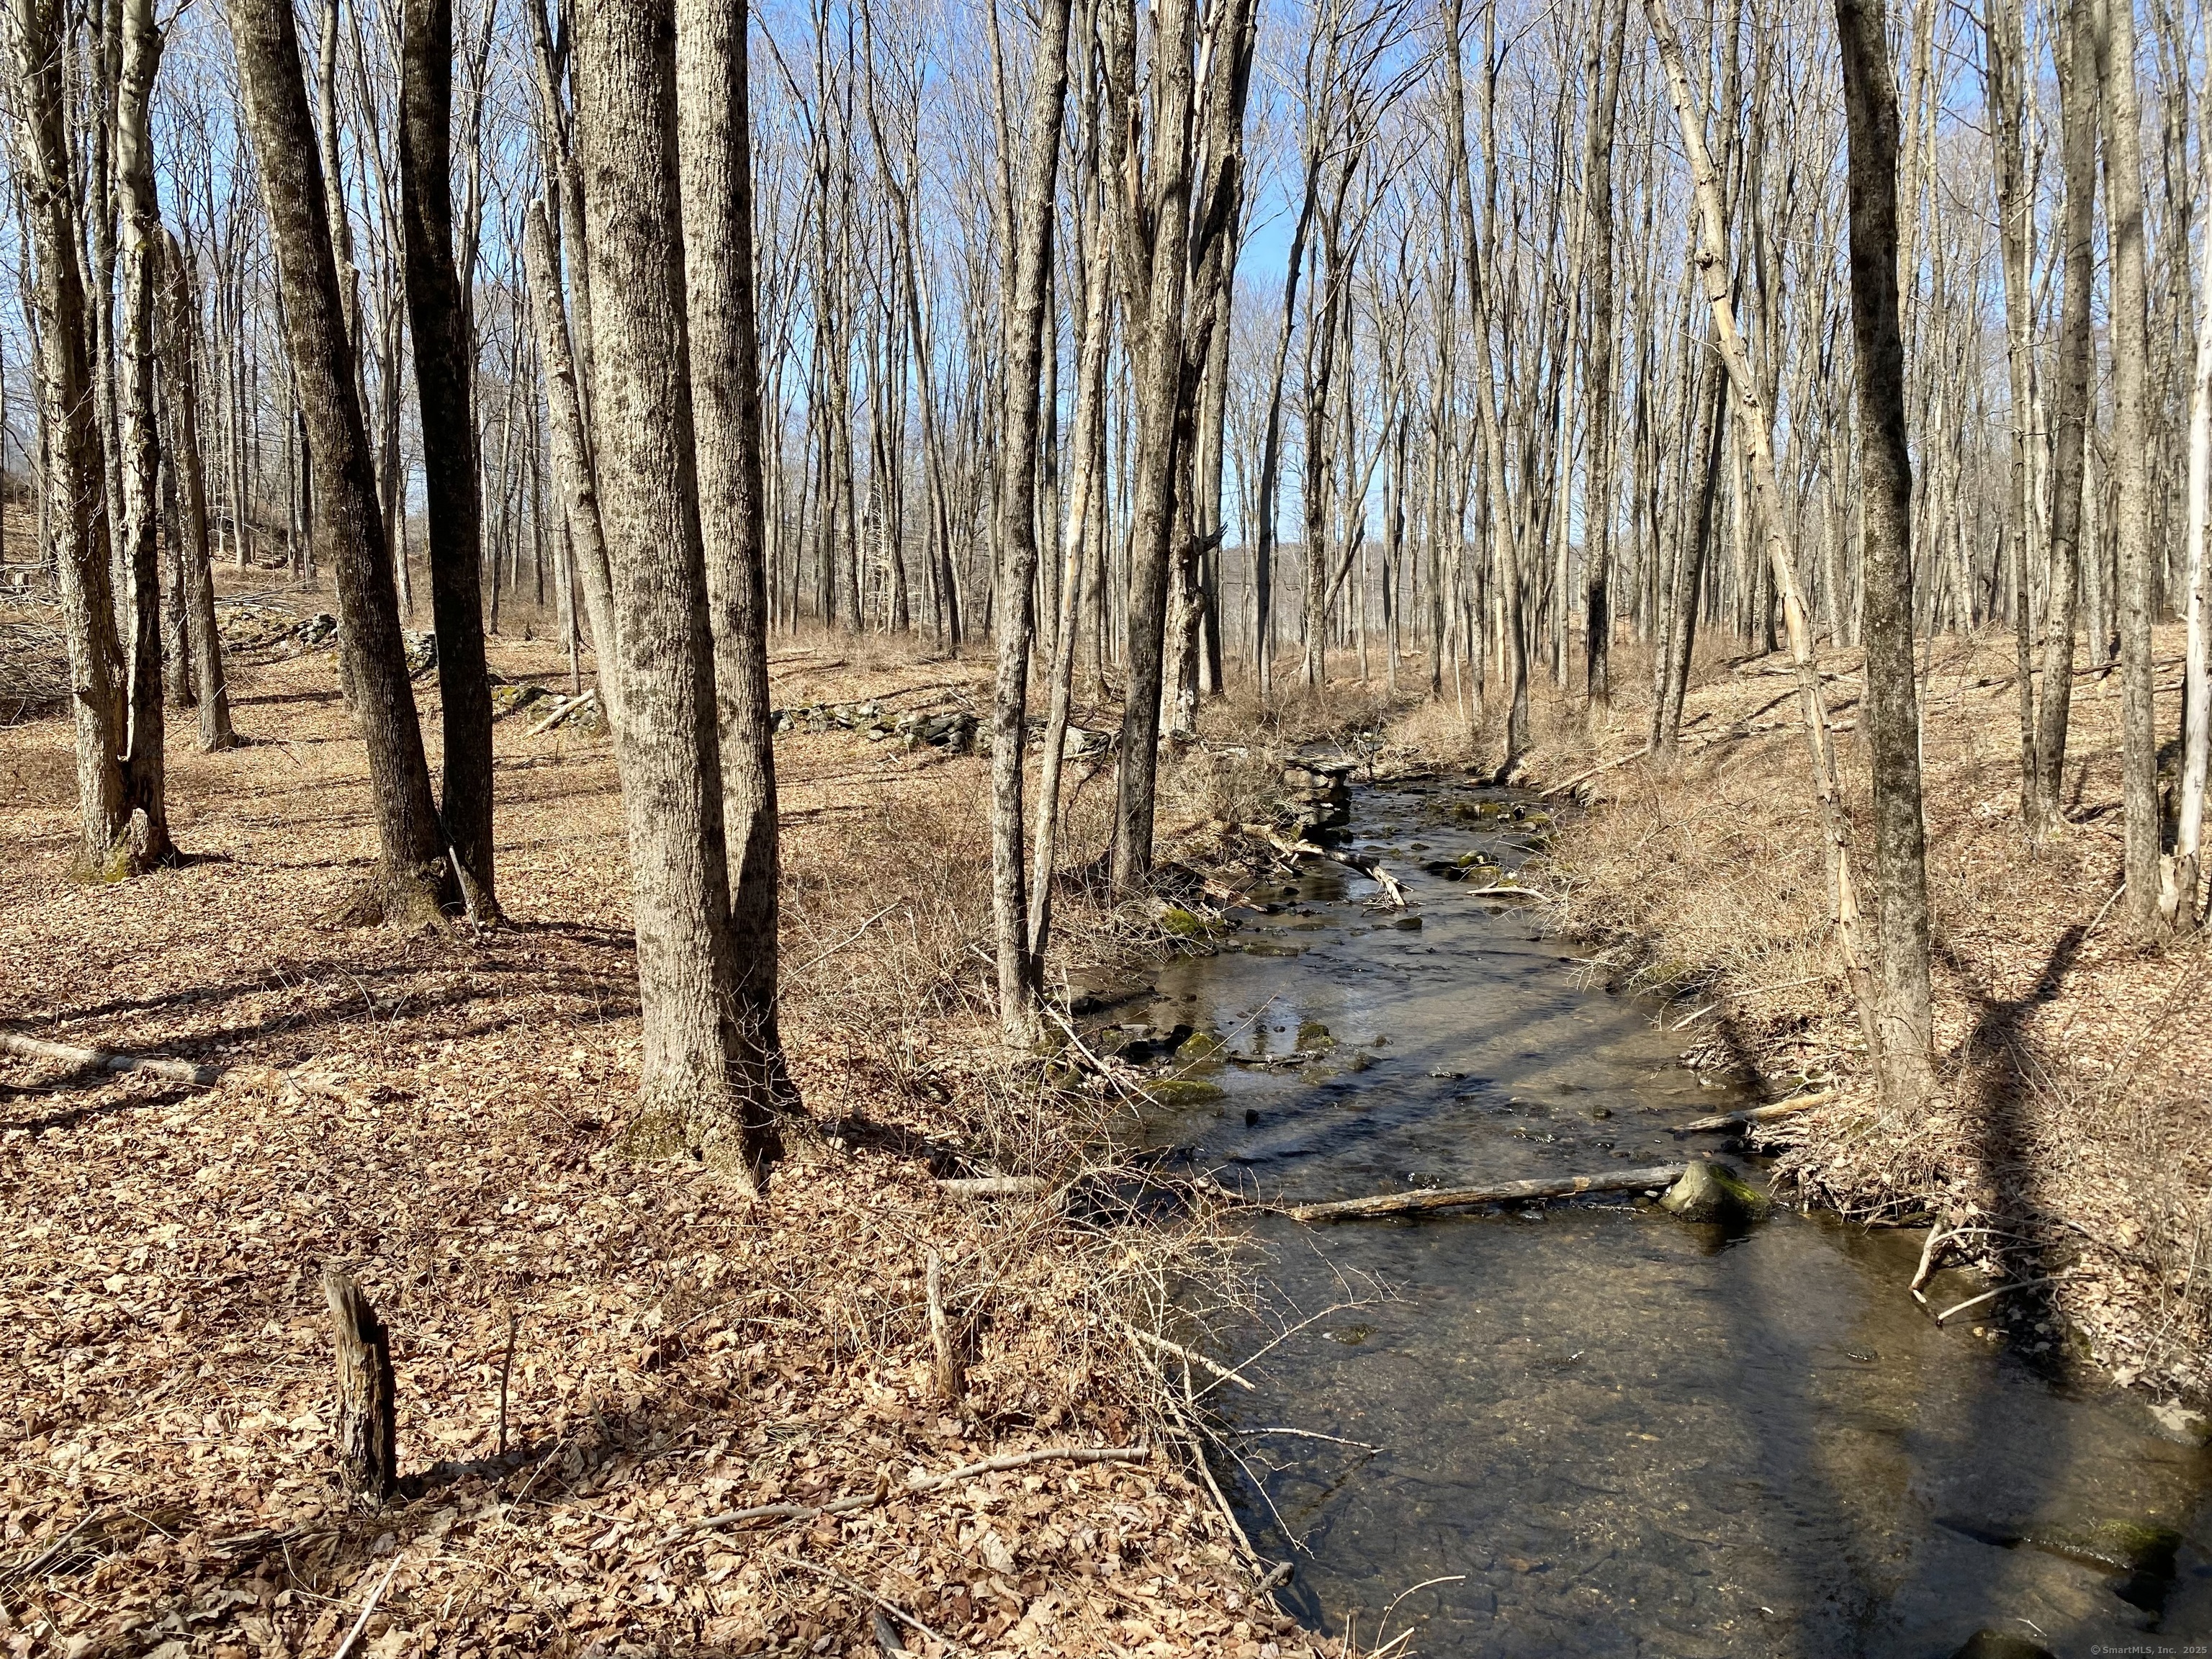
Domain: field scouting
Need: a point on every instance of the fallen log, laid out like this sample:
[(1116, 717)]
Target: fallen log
[(183, 1071), (1762, 1114), (562, 710), (1363, 863), (996, 1186), (1510, 1192)]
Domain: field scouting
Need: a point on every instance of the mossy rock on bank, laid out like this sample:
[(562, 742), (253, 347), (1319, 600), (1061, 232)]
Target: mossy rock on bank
[(1713, 1192), (1181, 923), (1184, 1092)]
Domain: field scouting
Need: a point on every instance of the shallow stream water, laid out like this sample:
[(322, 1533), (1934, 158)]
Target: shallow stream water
[(1613, 1432)]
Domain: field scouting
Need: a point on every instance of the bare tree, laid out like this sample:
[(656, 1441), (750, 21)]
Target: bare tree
[(1900, 852), (414, 883), (443, 373), (713, 103), (691, 1091)]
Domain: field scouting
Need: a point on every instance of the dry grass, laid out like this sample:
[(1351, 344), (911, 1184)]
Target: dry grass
[(2076, 1104), (440, 1114)]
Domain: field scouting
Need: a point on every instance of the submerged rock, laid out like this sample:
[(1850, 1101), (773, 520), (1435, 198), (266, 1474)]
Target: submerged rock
[(2001, 1644), (2125, 1547), (1184, 1092), (1714, 1192)]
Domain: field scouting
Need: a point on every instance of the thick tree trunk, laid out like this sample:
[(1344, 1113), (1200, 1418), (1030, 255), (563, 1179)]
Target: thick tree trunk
[(2069, 412), (1159, 250), (415, 883), (1019, 979), (140, 456), (2130, 335), (72, 484), (180, 339), (713, 103), (1900, 850), (443, 371), (666, 744)]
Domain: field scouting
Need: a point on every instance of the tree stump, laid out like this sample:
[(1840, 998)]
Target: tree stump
[(367, 1414), (951, 1380)]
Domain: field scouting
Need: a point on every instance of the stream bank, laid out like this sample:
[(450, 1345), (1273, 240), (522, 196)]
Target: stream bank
[(1612, 1431)]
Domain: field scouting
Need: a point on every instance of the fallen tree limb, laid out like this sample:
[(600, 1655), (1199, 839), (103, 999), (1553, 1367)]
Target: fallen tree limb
[(183, 1071), (1762, 1114), (1364, 863), (916, 1488), (994, 1186), (1510, 1192)]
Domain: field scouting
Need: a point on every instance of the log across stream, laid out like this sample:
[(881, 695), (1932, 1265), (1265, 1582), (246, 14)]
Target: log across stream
[(1612, 1433)]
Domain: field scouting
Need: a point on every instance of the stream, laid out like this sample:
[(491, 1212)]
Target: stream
[(1612, 1431)]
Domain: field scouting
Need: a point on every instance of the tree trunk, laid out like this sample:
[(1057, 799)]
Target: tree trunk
[(1019, 975), (572, 462), (180, 375), (1157, 252), (713, 103), (1900, 851), (443, 372), (414, 883), (2130, 336), (139, 457), (1609, 49), (1709, 259), (665, 742), (2070, 413), (73, 486)]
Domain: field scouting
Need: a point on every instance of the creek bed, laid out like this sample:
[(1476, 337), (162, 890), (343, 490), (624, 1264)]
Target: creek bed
[(1620, 1434)]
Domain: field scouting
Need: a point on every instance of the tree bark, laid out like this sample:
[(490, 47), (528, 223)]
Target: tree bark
[(2069, 411), (140, 459), (443, 372), (367, 1415), (180, 339), (665, 742), (1020, 983), (72, 484), (1155, 253), (572, 457), (2129, 323), (1900, 851), (414, 883), (714, 104), (1609, 48)]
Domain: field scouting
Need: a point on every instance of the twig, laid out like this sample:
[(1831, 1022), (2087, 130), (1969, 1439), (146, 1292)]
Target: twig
[(1989, 1296), (367, 1607), (2101, 914), (1193, 1356), (892, 1607), (817, 961), (1315, 1434)]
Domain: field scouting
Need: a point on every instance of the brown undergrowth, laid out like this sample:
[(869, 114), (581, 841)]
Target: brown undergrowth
[(2074, 1124), (592, 1353)]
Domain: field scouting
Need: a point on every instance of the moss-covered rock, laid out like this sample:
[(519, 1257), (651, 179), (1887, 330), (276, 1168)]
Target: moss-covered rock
[(1314, 1037), (1184, 1092), (1714, 1192)]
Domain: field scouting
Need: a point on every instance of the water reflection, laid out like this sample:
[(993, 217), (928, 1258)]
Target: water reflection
[(1629, 1435)]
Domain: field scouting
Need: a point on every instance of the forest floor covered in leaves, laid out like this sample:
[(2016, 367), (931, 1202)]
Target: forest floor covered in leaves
[(592, 1354), (2075, 1123)]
